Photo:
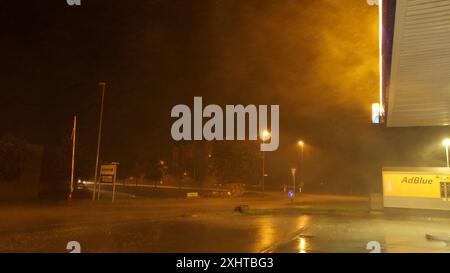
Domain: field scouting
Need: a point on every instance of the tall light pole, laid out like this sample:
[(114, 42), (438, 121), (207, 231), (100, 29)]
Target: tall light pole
[(103, 85), (446, 143), (300, 144), (74, 137), (264, 136)]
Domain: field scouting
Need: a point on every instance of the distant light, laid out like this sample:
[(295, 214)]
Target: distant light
[(302, 245), (446, 142), (265, 135), (376, 113), (300, 143)]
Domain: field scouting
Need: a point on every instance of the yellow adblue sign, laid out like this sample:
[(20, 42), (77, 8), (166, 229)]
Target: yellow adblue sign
[(412, 184), (416, 187)]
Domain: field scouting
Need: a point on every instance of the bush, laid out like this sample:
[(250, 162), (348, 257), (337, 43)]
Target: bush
[(13, 154)]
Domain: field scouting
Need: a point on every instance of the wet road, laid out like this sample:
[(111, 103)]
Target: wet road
[(272, 224)]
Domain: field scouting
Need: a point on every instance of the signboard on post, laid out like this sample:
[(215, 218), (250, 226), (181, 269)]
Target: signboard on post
[(108, 174), (293, 170), (290, 193)]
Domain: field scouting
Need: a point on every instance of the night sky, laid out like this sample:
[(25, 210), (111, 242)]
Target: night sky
[(317, 59)]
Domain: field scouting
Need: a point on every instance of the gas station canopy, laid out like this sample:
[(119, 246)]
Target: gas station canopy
[(418, 90)]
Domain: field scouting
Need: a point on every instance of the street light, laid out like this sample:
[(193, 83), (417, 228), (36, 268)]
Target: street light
[(265, 135), (301, 144), (102, 84), (446, 143)]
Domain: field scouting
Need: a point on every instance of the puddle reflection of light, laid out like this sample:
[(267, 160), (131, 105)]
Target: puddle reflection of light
[(303, 222), (266, 232), (302, 245)]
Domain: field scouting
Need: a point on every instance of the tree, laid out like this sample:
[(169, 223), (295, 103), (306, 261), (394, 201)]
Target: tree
[(13, 154), (238, 161), (57, 162), (157, 172)]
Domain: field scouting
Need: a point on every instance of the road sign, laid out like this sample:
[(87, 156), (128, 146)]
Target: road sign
[(192, 195), (290, 193), (108, 169), (108, 174), (293, 170)]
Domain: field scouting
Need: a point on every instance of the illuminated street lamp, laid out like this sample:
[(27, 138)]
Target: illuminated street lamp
[(446, 143), (265, 135), (301, 144)]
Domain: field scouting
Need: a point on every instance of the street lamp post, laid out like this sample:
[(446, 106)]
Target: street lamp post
[(263, 170), (103, 85), (446, 153), (265, 136), (301, 144), (74, 137), (446, 144)]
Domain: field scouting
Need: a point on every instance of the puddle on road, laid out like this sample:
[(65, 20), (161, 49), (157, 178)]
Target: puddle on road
[(237, 233)]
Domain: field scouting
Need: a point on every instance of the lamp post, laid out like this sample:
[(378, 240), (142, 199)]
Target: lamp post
[(264, 137), (102, 84), (301, 144), (74, 136), (446, 143)]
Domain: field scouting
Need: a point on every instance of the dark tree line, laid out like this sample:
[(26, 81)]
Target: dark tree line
[(229, 162), (13, 154), (57, 161), (238, 162)]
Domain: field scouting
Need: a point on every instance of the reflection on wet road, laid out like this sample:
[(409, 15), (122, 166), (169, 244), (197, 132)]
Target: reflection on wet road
[(352, 234), (238, 233), (210, 226)]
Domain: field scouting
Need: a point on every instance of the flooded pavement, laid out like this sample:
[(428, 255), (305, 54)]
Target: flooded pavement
[(355, 234), (211, 225)]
